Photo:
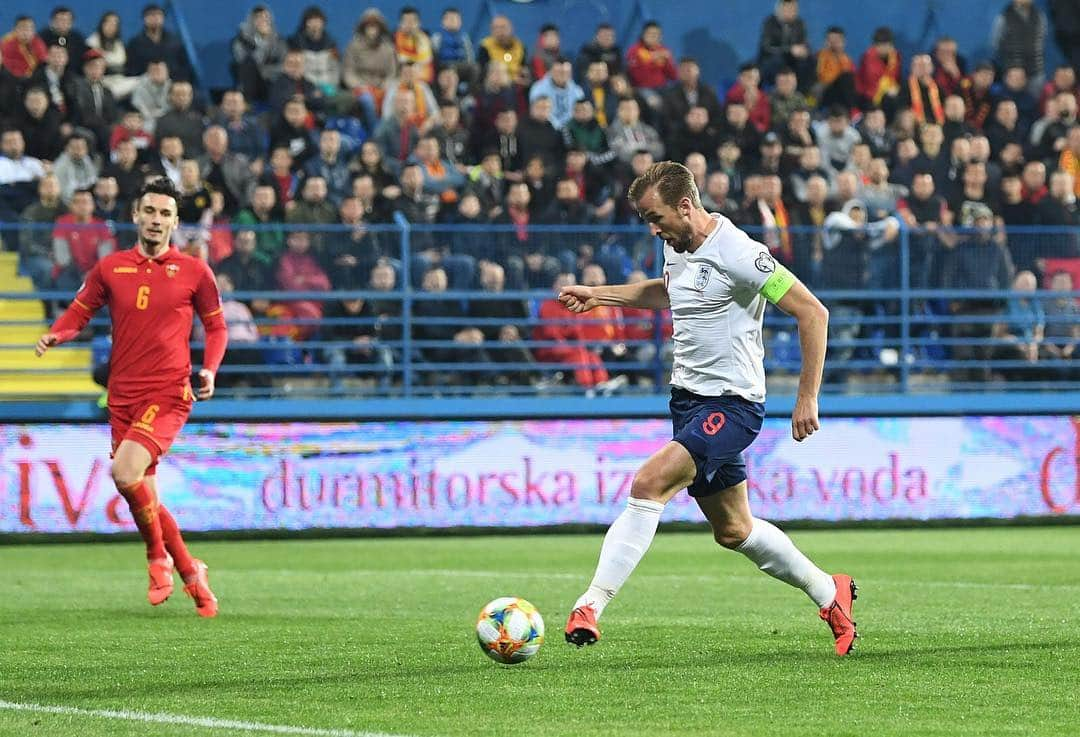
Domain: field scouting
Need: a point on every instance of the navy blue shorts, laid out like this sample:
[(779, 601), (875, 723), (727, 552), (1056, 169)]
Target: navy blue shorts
[(715, 430)]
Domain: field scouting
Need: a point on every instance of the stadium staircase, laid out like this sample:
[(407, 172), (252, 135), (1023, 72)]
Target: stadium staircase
[(20, 371)]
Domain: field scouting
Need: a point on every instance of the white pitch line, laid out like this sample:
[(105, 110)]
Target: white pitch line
[(179, 720)]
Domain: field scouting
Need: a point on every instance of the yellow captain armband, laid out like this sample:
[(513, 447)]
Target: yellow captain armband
[(778, 283)]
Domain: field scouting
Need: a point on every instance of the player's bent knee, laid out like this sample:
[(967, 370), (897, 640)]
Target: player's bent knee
[(732, 535), (647, 486), (125, 474)]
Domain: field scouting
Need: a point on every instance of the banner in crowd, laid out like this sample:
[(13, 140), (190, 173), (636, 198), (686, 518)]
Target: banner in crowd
[(237, 476)]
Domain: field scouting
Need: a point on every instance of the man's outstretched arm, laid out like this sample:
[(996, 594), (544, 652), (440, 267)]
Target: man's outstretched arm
[(650, 294)]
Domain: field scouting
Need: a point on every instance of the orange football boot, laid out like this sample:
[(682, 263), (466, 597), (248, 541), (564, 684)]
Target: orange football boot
[(581, 628), (838, 614), (161, 579), (198, 588)]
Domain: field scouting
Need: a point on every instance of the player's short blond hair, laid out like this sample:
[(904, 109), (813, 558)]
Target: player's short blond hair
[(672, 180)]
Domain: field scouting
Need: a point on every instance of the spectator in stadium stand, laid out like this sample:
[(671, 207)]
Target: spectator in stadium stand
[(503, 342), (1058, 210), (640, 325), (166, 162), (258, 51), (689, 91), (1014, 87), (809, 167), (22, 51), (371, 164), (695, 133), (796, 136), (243, 337), (487, 181), (108, 40), (195, 212), (126, 169), (1034, 182), (508, 143), (585, 133), (313, 208), (298, 270), (564, 330), (877, 80), (497, 94), (771, 156), (342, 318), (807, 246), (603, 48), (603, 328), (876, 134), (973, 192), (1063, 80), (1036, 146), (75, 168), (568, 208), (225, 171), (905, 162), (1004, 128), (979, 260), (955, 123), (417, 206), (440, 177), (1018, 38), (332, 166), (747, 91), (35, 244), (627, 134), (413, 46), (292, 129), (1069, 160), (291, 84), (1062, 334), (503, 47), (57, 80), (94, 106), (263, 211), (426, 112), (594, 182), (949, 66), (247, 272), (879, 194), (783, 43), (735, 126), (541, 181), (925, 212), (785, 98), (931, 156), (349, 254), (558, 85), (625, 213), (246, 138), (977, 91), (453, 47), (383, 278), (1022, 330), (468, 339), (79, 240), (151, 93), (370, 63), (698, 167), (836, 137), (182, 120), (769, 218), (547, 51), (397, 133), (452, 135), (19, 175), (835, 72), (650, 65), (517, 249), (451, 90), (717, 194), (474, 242), (920, 92), (153, 42), (322, 63), (597, 86), (107, 203), (538, 136)]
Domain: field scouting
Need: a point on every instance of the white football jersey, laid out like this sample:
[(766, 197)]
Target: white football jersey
[(717, 313)]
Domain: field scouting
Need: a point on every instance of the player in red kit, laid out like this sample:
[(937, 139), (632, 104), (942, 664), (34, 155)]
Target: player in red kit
[(153, 292)]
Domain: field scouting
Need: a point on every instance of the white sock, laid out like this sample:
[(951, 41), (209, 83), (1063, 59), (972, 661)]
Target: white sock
[(775, 554), (624, 545)]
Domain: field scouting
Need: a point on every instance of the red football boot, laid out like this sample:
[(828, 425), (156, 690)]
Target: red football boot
[(161, 580), (198, 588), (581, 628), (838, 614)]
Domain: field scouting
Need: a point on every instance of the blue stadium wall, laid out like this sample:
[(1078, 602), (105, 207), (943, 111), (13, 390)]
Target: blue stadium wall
[(722, 38)]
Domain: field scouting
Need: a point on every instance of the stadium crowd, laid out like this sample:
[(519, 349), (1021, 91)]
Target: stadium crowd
[(826, 154)]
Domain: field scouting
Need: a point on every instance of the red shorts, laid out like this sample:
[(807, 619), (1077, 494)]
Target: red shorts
[(153, 423)]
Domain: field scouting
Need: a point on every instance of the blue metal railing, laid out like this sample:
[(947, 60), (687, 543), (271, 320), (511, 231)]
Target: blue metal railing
[(908, 336)]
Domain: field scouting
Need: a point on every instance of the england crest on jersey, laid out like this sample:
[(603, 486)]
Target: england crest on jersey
[(702, 278)]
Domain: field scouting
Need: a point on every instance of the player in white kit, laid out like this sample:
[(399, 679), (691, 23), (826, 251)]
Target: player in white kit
[(716, 281)]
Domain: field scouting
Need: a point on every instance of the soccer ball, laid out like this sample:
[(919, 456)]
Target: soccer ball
[(510, 630)]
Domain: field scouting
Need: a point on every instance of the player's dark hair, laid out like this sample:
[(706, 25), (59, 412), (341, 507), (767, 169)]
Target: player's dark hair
[(160, 185), (672, 180)]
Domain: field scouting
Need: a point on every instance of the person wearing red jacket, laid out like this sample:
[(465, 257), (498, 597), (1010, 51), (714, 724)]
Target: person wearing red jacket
[(877, 79), (568, 332), (22, 50), (299, 271), (153, 293), (649, 63)]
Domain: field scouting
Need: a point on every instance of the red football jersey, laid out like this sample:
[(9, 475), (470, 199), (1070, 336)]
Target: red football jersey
[(152, 303)]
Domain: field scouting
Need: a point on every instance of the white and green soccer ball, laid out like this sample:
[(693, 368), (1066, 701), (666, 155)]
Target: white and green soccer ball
[(510, 630)]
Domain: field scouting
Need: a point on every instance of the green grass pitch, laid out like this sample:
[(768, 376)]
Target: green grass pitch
[(964, 632)]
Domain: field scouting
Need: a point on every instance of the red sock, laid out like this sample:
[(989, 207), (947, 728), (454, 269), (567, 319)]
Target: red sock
[(175, 543), (144, 510)]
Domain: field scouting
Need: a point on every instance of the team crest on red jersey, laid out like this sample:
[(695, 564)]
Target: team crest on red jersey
[(171, 270)]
